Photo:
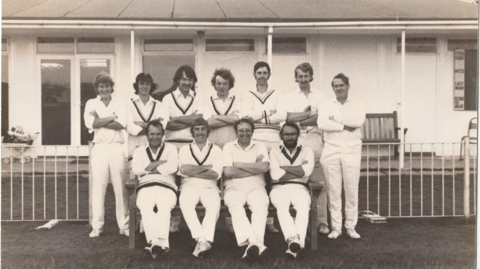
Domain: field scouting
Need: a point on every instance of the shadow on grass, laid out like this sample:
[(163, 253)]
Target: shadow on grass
[(401, 243)]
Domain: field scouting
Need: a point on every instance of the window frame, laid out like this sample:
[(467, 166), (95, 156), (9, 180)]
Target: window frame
[(143, 52), (230, 52)]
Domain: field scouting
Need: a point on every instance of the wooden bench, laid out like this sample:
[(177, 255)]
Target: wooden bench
[(381, 128), (315, 189)]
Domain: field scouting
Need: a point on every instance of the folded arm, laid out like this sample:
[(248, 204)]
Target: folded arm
[(222, 120)]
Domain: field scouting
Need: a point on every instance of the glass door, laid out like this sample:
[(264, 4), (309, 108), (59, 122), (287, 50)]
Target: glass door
[(88, 67)]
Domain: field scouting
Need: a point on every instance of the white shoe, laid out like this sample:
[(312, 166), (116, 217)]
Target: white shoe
[(201, 248), (154, 250), (323, 229), (125, 232), (334, 234), (294, 243), (251, 253), (353, 234), (291, 255), (95, 233)]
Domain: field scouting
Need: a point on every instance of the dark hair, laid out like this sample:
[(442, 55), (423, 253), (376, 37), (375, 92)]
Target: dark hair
[(290, 124), (225, 74), (249, 121), (342, 77), (199, 122), (305, 67), (189, 72), (154, 123), (104, 78), (146, 78), (259, 65)]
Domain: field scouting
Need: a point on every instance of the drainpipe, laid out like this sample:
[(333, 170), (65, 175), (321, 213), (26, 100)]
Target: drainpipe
[(132, 55), (402, 106), (466, 179), (269, 46)]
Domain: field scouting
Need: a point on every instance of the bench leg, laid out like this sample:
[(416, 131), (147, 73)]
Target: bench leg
[(313, 226), (132, 224)]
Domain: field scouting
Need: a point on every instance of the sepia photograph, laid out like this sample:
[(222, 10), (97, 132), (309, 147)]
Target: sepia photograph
[(239, 134)]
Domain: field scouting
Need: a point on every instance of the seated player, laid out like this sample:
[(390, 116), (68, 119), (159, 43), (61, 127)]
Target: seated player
[(245, 162), (156, 164), (290, 167), (200, 166)]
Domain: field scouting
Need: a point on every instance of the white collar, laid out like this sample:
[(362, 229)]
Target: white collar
[(178, 93)]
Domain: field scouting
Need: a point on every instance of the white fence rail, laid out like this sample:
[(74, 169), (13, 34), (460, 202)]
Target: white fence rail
[(433, 183), (39, 188)]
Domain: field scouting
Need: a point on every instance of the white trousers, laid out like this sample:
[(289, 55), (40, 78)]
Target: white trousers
[(257, 201), (299, 197), (210, 199), (156, 225), (315, 142), (341, 168), (109, 160)]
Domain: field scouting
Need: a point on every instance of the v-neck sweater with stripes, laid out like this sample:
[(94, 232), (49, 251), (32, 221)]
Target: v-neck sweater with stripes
[(209, 155), (280, 156)]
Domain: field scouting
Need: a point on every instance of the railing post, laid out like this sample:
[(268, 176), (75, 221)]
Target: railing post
[(466, 178), (90, 182)]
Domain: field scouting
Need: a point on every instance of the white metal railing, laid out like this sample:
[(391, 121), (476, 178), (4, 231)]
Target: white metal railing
[(44, 187), (434, 182)]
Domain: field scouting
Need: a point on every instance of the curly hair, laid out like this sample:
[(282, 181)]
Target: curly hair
[(146, 78), (225, 74)]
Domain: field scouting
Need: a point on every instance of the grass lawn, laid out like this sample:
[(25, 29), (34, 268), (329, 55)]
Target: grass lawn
[(401, 243)]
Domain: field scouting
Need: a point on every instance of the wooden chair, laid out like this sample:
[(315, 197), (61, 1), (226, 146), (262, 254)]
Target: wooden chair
[(381, 128), (471, 134)]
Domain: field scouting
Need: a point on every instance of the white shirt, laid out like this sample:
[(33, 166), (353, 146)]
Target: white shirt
[(281, 156), (232, 152), (209, 155), (167, 170), (352, 114), (104, 135), (179, 105), (258, 106), (297, 102)]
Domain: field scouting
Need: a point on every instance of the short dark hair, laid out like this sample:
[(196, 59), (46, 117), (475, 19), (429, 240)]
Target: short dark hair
[(305, 67), (225, 74), (259, 65), (147, 78), (199, 122), (104, 78), (154, 123), (342, 77), (189, 72), (290, 124), (249, 121)]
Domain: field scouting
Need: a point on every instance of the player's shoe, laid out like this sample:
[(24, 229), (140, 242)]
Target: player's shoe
[(334, 234), (95, 233), (125, 232), (251, 253), (201, 248), (293, 255), (353, 234), (323, 229), (294, 243)]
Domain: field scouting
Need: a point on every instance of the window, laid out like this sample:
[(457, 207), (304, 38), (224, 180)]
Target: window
[(4, 45), (96, 45), (56, 45), (169, 45), (229, 45), (288, 45), (76, 45), (418, 45)]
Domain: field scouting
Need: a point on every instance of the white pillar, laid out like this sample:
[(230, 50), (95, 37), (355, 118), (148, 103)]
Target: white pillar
[(402, 105), (269, 46), (132, 56), (466, 178)]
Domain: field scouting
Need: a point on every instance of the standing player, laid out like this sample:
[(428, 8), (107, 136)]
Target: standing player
[(341, 118), (245, 162), (302, 109), (200, 166), (156, 164), (183, 107), (290, 166), (106, 117), (141, 110), (222, 110), (267, 109)]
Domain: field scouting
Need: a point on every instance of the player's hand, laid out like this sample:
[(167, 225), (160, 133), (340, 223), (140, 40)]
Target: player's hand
[(208, 166), (159, 119), (305, 162), (272, 111), (141, 124), (308, 109), (331, 117), (259, 158)]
